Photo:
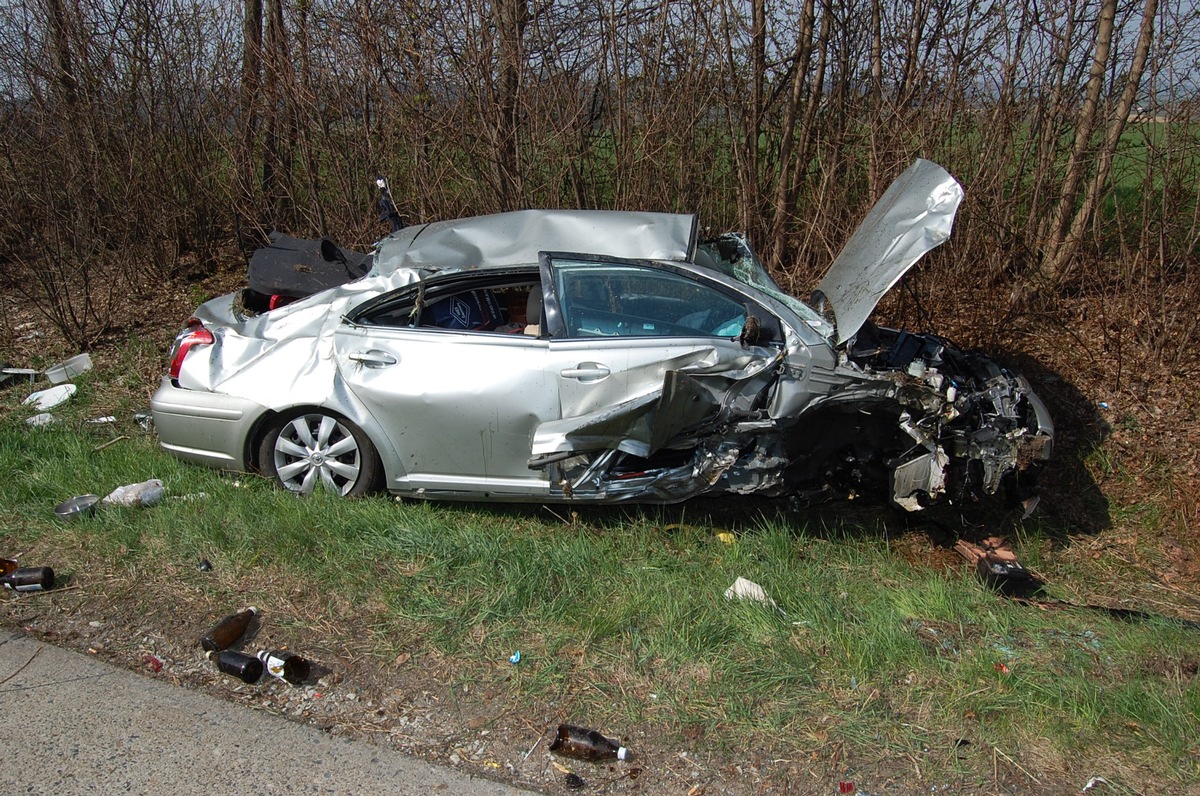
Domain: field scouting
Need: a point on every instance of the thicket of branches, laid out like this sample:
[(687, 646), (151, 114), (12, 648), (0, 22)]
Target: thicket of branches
[(139, 134)]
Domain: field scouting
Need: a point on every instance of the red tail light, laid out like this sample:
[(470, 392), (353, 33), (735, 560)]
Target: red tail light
[(195, 334)]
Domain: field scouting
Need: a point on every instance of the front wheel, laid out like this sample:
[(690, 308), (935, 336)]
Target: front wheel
[(316, 447)]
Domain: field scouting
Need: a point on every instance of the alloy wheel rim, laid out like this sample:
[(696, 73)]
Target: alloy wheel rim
[(317, 449)]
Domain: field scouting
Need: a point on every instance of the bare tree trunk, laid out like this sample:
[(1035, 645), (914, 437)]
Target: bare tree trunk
[(743, 100), (1067, 245), (787, 133), (1049, 122), (304, 100), (753, 118), (1085, 124), (277, 149), (808, 129), (876, 95), (816, 94), (60, 43), (245, 203), (510, 18), (909, 78)]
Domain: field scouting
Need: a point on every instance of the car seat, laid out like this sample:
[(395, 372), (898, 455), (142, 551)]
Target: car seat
[(533, 312)]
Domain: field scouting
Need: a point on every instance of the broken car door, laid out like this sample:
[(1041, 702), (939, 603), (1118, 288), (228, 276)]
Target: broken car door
[(644, 354)]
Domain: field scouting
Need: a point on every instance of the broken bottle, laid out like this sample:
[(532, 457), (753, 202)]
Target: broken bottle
[(584, 744)]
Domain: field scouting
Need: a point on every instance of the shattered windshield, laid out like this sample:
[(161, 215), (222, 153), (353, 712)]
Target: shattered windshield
[(731, 255)]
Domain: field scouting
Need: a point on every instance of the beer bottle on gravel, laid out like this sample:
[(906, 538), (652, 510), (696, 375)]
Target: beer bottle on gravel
[(28, 579), (584, 744), (287, 666), (225, 633)]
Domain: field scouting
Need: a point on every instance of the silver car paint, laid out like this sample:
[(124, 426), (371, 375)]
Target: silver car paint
[(516, 238), (474, 414), (914, 215)]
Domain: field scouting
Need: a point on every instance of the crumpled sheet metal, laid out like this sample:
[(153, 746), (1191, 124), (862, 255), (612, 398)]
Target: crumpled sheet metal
[(280, 345), (926, 473), (913, 216), (516, 238), (711, 460), (624, 426), (629, 426)]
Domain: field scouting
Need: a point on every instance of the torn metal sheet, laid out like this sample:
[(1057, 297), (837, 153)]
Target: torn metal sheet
[(913, 216), (923, 476)]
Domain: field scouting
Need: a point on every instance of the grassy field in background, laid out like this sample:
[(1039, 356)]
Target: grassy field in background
[(882, 647)]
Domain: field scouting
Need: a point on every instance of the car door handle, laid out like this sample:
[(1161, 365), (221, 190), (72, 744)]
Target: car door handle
[(586, 371), (373, 358)]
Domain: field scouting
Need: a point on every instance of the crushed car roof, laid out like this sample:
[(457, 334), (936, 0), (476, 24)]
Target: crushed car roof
[(515, 238)]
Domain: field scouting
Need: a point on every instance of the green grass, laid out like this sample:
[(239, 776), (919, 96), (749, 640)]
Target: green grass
[(619, 614)]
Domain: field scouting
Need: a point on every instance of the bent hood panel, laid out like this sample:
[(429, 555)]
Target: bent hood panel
[(912, 217)]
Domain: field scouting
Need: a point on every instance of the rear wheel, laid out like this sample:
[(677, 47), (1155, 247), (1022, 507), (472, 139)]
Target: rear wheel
[(318, 448)]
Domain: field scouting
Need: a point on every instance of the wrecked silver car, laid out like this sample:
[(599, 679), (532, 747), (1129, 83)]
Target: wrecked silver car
[(604, 356)]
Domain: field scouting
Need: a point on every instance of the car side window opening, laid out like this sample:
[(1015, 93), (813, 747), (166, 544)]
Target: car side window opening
[(609, 300), (497, 308)]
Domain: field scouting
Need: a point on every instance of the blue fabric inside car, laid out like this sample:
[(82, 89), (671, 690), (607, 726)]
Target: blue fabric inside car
[(477, 310)]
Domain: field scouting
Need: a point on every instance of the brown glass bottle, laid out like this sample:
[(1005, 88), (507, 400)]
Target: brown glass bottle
[(287, 666), (28, 579), (226, 632), (7, 565), (584, 744), (244, 667)]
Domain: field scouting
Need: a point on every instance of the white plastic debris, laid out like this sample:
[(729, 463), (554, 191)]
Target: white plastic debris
[(1093, 782), (101, 420), (146, 493), (41, 420), (52, 397), (65, 371), (743, 589), (13, 373)]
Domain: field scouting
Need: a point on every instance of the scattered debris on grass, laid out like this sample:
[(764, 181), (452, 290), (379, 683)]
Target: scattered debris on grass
[(144, 493), (743, 589)]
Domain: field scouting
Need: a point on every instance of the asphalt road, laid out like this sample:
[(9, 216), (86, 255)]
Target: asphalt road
[(70, 724)]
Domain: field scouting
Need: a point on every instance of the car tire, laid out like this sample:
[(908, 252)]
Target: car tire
[(315, 447)]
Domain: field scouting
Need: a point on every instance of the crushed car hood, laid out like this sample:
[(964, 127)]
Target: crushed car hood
[(912, 217), (516, 238)]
